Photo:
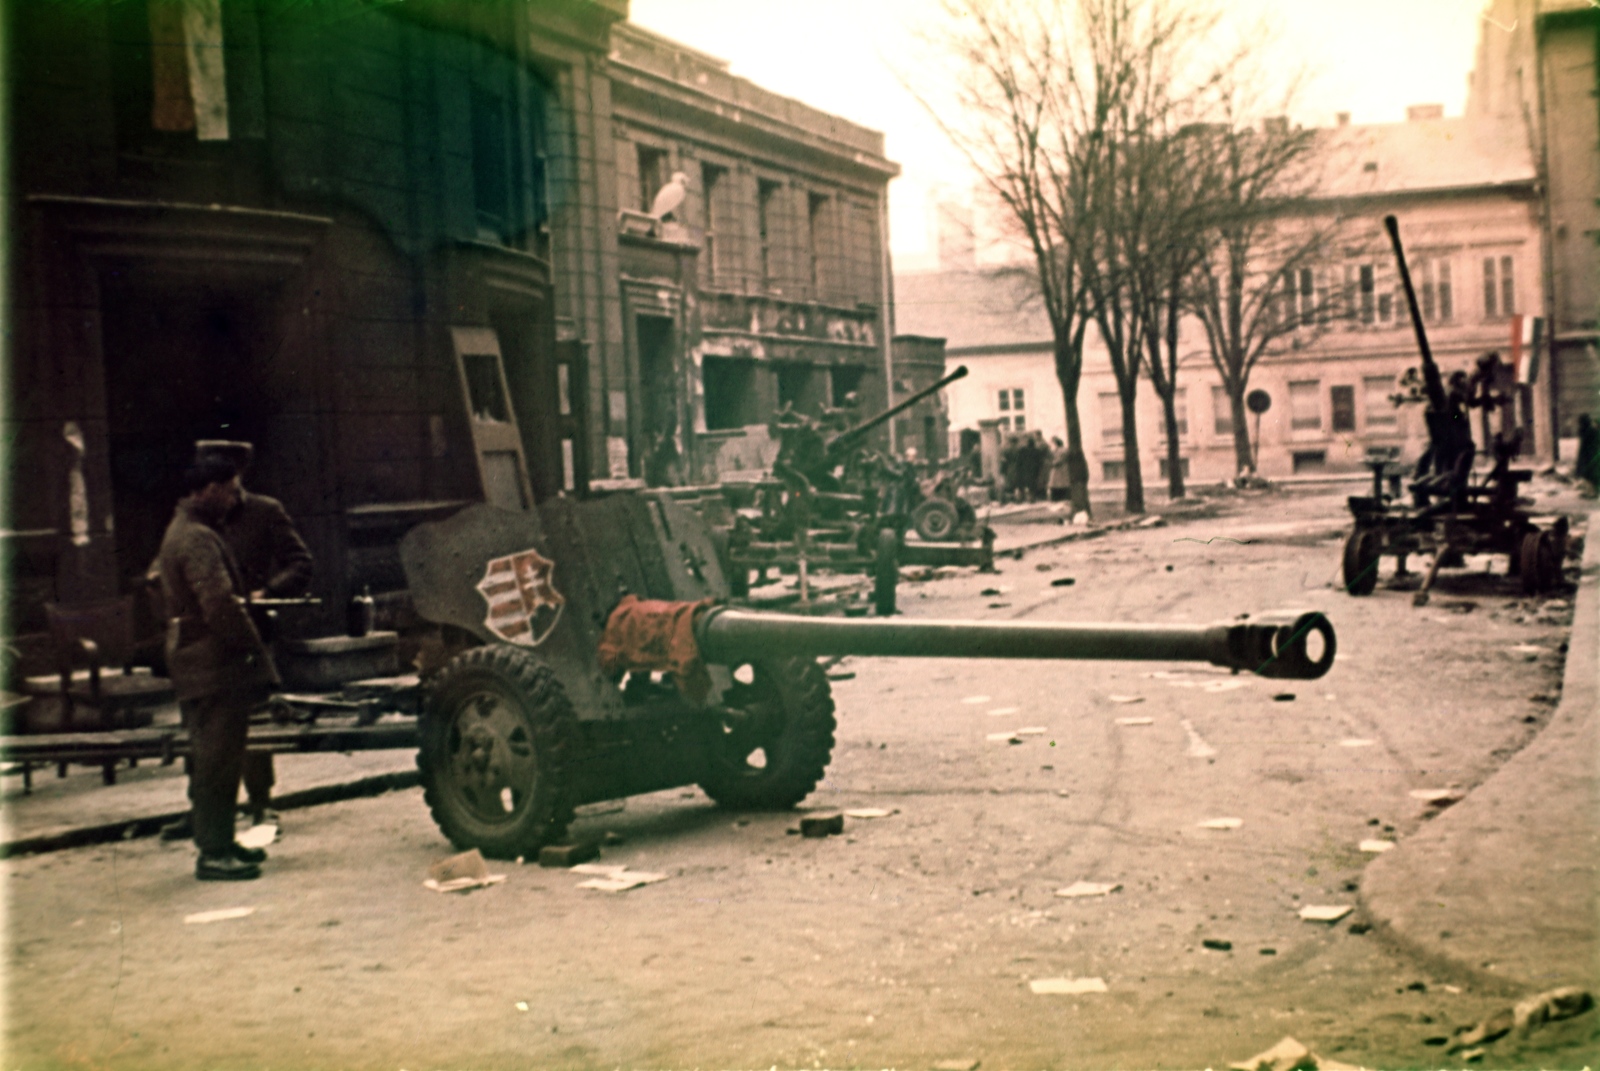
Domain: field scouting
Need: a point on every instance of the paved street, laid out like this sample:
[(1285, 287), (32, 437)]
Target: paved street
[(913, 938)]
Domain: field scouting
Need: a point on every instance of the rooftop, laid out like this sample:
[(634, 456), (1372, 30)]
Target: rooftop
[(1424, 154), (971, 308)]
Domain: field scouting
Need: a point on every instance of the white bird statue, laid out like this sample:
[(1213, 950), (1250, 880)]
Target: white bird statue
[(670, 196)]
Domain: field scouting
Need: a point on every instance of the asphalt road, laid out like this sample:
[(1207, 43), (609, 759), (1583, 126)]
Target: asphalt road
[(913, 938)]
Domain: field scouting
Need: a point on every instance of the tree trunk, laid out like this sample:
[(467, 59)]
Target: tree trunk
[(1241, 433), (1174, 462), (1069, 371), (1134, 498)]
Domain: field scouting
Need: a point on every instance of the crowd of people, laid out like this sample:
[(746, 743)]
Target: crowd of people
[(1032, 470)]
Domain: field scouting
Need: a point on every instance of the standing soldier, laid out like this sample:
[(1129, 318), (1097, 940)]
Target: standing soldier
[(219, 666), (275, 564)]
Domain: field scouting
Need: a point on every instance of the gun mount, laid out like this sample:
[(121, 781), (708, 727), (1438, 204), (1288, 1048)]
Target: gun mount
[(574, 653)]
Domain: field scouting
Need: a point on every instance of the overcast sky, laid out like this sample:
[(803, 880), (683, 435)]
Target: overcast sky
[(1368, 57)]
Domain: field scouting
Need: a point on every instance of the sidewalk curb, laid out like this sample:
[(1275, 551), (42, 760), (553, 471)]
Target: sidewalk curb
[(1513, 865), (150, 824)]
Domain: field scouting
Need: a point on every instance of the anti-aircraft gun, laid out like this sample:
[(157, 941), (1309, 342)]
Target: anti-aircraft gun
[(830, 503), (578, 652), (1451, 513)]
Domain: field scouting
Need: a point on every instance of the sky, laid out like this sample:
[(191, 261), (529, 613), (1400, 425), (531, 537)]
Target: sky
[(1368, 57)]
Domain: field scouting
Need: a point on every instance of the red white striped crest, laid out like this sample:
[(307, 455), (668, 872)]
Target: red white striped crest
[(523, 603)]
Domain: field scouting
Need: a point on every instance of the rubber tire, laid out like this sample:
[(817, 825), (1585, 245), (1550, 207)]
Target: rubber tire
[(1361, 558), (533, 720), (935, 520), (797, 750), (885, 572), (1541, 569)]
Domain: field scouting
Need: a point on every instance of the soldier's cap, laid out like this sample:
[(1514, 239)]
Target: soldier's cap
[(240, 453)]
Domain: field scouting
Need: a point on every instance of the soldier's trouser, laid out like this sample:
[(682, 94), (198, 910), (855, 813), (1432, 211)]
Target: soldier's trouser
[(218, 725), (258, 778)]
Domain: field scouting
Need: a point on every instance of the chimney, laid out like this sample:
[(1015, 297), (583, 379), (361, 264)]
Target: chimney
[(1342, 118), (1418, 112)]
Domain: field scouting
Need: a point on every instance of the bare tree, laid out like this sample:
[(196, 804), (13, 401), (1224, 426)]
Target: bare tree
[(1014, 119), (1259, 285)]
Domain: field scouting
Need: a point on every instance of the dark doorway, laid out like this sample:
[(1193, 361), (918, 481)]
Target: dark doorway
[(658, 381), (183, 361)]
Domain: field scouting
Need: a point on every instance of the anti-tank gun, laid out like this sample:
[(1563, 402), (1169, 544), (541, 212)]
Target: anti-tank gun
[(579, 652), (1451, 513)]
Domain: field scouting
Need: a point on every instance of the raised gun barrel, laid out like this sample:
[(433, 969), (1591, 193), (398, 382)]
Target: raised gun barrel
[(847, 438), (1432, 383), (1272, 645)]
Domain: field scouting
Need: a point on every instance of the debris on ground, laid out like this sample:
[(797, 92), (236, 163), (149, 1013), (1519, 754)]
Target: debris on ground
[(1136, 721), (1063, 582), (220, 915), (1003, 738), (1356, 742), (994, 591), (1217, 945), (999, 711), (1492, 1028), (1290, 1055), (1438, 797), (956, 1065), (1088, 888), (567, 855), (1126, 698), (822, 825), (1551, 1006), (609, 878), (871, 812), (1375, 846), (998, 605), (1222, 823), (1032, 730), (1325, 912), (1151, 521), (258, 836), (522, 1005), (976, 699), (1081, 517), (460, 873), (1067, 986), (1283, 697)]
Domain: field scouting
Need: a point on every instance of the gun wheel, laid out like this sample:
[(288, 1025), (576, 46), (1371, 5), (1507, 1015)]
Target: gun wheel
[(1541, 567), (885, 572), (935, 520), (1362, 553), (496, 731), (775, 738)]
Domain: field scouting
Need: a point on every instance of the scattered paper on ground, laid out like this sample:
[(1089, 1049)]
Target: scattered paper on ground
[(522, 1005), (621, 880), (976, 699), (1222, 686), (460, 873), (1003, 738), (1068, 986), (1222, 823), (1436, 795), (1356, 742), (1126, 698), (1526, 648), (1167, 675), (1136, 721), (257, 836), (1289, 1055), (1033, 730), (1325, 912), (1088, 888), (871, 812), (1376, 845), (1198, 748), (220, 915), (1001, 711)]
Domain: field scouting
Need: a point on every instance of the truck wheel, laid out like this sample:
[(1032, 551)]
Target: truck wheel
[(935, 520), (496, 733), (1540, 567), (776, 736), (1362, 553), (885, 572)]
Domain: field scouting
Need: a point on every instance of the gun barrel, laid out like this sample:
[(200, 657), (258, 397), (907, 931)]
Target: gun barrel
[(1430, 371), (851, 434), (1296, 645)]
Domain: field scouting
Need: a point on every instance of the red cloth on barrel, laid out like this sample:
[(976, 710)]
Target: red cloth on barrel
[(653, 634)]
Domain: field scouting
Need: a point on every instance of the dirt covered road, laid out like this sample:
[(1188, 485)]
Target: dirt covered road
[(914, 938)]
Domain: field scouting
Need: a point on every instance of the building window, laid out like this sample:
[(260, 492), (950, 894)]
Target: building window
[(1499, 291), (1310, 460), (1012, 403), (1183, 467), (1366, 309), (1344, 408), (491, 165), (1305, 405), (652, 174), (843, 381), (817, 240), (1111, 418), (1300, 292), (1379, 410), (1221, 411), (1111, 470), (1435, 293), (711, 185), (1386, 302), (766, 195), (729, 392)]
